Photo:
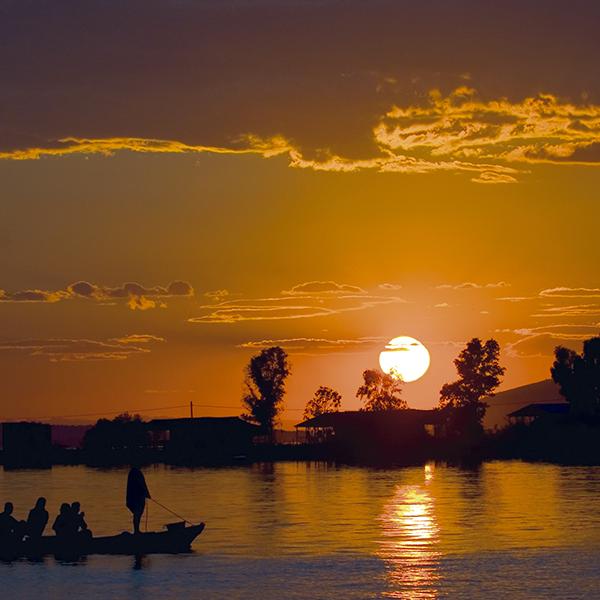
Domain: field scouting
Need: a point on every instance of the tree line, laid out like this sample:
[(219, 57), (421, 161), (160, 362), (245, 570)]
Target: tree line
[(479, 374), (462, 401)]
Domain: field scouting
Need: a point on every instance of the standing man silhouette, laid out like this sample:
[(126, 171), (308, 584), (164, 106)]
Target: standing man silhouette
[(137, 492)]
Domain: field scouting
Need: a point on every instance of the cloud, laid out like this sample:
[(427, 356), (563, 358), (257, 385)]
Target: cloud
[(441, 305), (138, 296), (285, 307), (401, 163), (565, 331), (320, 345), (138, 338), (516, 298), (168, 392), (33, 296), (568, 292), (75, 350), (538, 129), (469, 285), (541, 341), (217, 295), (248, 144), (573, 310), (389, 286), (494, 141), (494, 177), (323, 287)]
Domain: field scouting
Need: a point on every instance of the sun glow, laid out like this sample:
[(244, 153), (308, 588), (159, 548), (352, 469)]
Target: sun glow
[(405, 358)]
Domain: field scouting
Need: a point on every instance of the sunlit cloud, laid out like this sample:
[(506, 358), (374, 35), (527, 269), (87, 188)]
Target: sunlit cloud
[(568, 292), (247, 144), (138, 338), (136, 296), (286, 307), (469, 285), (515, 299), (34, 296), (74, 350), (389, 286), (541, 341), (168, 392), (314, 345), (217, 295), (495, 141), (537, 129), (323, 287), (573, 310)]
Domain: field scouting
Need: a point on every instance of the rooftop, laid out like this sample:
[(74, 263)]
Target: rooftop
[(542, 408), (200, 422), (365, 418)]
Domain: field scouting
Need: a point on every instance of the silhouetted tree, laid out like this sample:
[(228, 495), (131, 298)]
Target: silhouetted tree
[(123, 433), (578, 376), (325, 400), (479, 370), (265, 381), (380, 391)]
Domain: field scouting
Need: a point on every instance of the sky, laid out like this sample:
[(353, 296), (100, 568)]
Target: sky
[(187, 182)]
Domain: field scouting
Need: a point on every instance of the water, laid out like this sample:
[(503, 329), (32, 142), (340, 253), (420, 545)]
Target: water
[(306, 530)]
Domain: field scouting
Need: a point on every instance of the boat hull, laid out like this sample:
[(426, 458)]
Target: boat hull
[(164, 542)]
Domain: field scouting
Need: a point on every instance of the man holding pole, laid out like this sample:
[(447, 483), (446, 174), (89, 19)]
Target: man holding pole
[(137, 492)]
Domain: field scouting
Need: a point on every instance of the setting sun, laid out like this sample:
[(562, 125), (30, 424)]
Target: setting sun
[(405, 358)]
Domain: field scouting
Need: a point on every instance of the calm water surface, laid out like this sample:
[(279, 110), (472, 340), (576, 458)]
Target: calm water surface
[(306, 530)]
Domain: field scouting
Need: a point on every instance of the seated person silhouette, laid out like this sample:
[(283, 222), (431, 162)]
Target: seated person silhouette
[(9, 526), (79, 524), (37, 519), (64, 524)]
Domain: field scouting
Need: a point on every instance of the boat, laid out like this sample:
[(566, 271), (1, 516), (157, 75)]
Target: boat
[(176, 539)]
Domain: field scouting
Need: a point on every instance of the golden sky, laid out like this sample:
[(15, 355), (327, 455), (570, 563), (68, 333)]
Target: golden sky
[(186, 182)]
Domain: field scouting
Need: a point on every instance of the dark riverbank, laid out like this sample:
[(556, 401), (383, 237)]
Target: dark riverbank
[(569, 442)]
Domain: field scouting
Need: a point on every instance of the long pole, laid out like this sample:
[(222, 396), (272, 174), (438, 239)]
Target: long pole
[(191, 410)]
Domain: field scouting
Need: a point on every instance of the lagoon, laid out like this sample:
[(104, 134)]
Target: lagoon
[(314, 530)]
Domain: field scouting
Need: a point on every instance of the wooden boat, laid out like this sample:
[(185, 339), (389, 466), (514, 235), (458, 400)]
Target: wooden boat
[(178, 538)]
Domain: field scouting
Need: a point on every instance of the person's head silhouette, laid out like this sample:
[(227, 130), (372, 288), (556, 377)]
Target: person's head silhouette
[(40, 503), (8, 508)]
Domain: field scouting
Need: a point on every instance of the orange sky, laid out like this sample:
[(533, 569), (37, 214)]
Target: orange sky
[(293, 173)]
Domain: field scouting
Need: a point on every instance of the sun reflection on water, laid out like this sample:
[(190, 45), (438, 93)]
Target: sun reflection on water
[(409, 542)]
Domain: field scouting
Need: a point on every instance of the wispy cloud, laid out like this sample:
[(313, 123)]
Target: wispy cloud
[(138, 338), (469, 285), (168, 392), (314, 345), (573, 310), (323, 287), (137, 297), (495, 141), (516, 298), (569, 292), (297, 305), (541, 341), (217, 295), (247, 144), (71, 350), (389, 286)]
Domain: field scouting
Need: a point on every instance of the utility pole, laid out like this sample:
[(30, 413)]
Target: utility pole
[(191, 410)]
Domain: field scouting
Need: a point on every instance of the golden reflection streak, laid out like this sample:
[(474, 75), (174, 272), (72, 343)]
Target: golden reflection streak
[(409, 542)]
